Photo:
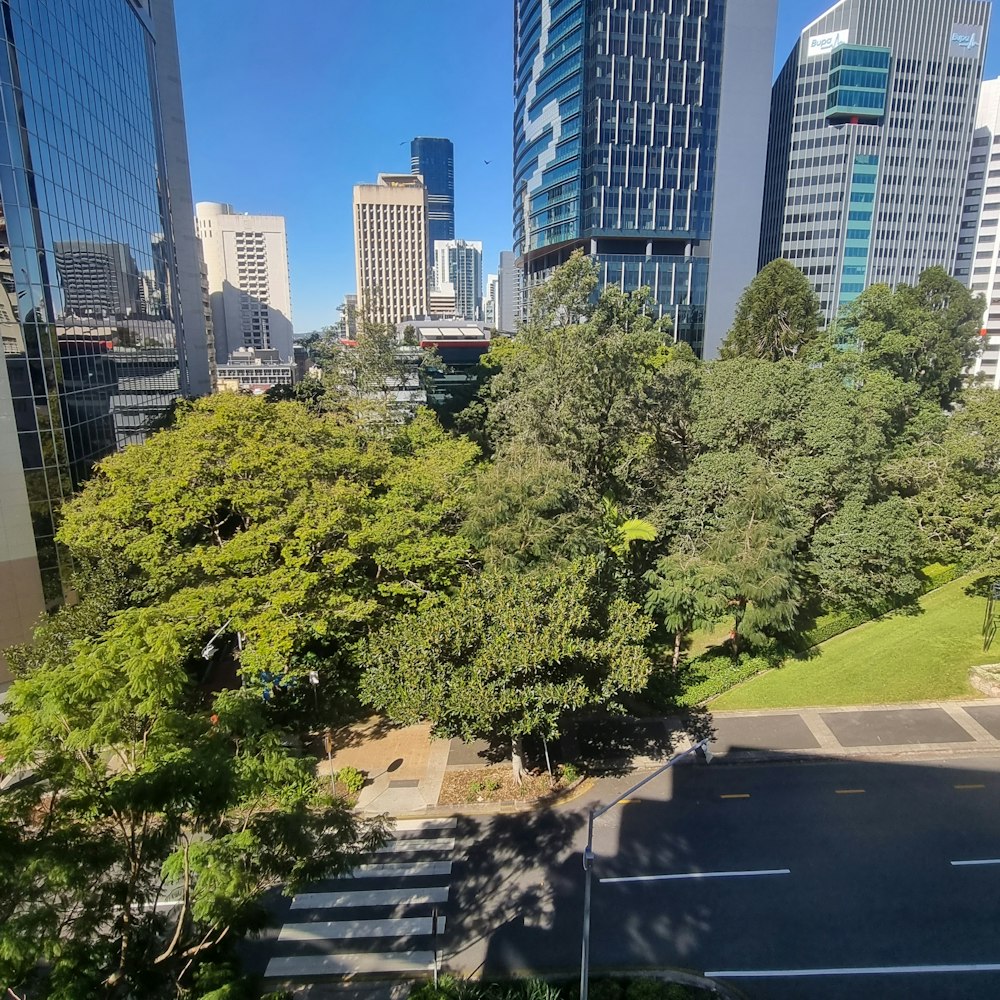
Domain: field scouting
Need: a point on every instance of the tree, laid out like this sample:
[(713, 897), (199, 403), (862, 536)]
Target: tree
[(510, 655), (565, 299), (157, 819), (285, 531), (777, 316), (926, 334)]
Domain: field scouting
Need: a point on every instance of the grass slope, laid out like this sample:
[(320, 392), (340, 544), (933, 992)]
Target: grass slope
[(902, 657)]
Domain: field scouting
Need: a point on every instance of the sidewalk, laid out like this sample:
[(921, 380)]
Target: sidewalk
[(923, 730)]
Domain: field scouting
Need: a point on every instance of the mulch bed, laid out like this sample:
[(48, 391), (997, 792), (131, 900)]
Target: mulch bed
[(495, 784)]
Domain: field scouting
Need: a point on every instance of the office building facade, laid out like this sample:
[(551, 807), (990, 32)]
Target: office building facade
[(640, 136), (977, 261), (390, 248), (491, 301), (458, 268), (246, 258), (509, 281), (98, 340), (871, 126), (434, 161)]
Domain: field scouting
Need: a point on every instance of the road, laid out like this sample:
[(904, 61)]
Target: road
[(853, 869)]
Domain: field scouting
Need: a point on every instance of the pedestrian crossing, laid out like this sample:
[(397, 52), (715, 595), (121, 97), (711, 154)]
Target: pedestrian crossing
[(378, 921)]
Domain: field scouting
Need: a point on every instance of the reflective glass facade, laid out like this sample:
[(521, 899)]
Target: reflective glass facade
[(87, 266), (616, 139), (434, 160)]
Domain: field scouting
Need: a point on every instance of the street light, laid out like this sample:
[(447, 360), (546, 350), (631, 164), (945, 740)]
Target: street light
[(588, 853)]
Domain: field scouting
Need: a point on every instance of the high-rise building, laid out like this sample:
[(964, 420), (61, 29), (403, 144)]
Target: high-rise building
[(246, 257), (390, 248), (100, 331), (868, 152), (640, 136), (491, 301), (509, 281), (978, 259), (458, 268), (434, 161)]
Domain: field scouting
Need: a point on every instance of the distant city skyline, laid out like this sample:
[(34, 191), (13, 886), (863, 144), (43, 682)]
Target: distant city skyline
[(320, 143)]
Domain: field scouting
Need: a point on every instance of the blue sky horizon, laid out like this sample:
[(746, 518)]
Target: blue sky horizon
[(346, 88)]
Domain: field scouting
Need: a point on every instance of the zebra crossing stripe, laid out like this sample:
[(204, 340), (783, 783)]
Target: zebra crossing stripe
[(415, 825), (427, 844), (371, 897), (287, 967), (341, 930), (414, 869)]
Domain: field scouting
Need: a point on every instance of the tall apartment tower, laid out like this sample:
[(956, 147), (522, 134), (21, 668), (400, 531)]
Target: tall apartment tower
[(246, 257), (509, 281), (102, 328), (390, 248), (978, 259), (491, 301), (458, 268), (640, 136), (868, 152), (434, 161)]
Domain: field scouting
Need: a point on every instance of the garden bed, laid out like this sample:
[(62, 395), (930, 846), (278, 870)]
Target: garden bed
[(496, 784)]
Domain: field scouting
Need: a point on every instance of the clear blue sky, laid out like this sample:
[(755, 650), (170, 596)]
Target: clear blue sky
[(291, 104)]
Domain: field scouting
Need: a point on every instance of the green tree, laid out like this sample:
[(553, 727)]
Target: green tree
[(777, 316), (510, 655), (157, 820), (565, 299)]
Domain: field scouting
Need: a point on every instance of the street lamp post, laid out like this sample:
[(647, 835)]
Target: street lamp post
[(596, 812)]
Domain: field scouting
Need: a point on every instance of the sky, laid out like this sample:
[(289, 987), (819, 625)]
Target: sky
[(290, 105)]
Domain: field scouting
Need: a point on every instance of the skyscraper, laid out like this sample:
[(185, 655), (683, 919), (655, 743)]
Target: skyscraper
[(868, 152), (491, 301), (458, 268), (390, 248), (509, 280), (640, 135), (434, 161), (978, 259), (246, 257), (97, 332)]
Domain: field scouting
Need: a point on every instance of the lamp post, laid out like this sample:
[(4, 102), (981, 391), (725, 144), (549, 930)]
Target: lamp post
[(588, 854)]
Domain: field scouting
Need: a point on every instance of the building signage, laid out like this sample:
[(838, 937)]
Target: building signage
[(823, 45), (966, 40)]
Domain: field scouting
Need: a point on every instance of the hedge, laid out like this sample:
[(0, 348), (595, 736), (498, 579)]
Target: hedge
[(718, 675)]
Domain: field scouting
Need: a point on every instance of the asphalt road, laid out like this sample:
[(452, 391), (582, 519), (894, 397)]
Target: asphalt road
[(853, 870)]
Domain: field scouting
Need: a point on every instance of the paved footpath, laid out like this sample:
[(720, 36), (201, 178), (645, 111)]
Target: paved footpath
[(406, 765)]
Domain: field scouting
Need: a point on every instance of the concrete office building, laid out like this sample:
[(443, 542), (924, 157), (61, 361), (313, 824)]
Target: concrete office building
[(977, 262), (88, 361), (434, 161), (868, 152), (390, 248), (640, 136), (458, 268), (246, 257), (491, 301), (509, 283)]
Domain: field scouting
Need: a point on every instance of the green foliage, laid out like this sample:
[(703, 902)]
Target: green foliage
[(352, 779), (484, 787), (569, 773), (777, 316), (705, 678), (601, 988)]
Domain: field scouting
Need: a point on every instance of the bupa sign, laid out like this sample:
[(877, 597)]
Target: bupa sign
[(823, 45), (966, 40)]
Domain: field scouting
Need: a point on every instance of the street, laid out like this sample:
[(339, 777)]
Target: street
[(813, 867)]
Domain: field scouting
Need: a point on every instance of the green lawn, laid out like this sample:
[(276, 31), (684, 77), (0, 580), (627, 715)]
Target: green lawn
[(897, 658)]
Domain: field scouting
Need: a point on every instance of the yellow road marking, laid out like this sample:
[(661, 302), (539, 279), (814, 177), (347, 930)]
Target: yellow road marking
[(741, 795), (850, 791), (966, 787), (625, 802)]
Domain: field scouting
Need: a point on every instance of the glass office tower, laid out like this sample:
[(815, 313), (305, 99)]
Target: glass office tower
[(640, 136), (871, 129), (434, 160), (89, 303)]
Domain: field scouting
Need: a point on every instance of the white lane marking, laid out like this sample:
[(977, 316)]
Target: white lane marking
[(984, 861), (410, 825), (341, 930), (887, 970), (686, 875), (346, 965), (373, 897), (414, 868), (401, 846)]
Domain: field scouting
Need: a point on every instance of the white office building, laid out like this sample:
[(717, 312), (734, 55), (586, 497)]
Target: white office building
[(491, 301), (246, 259), (458, 268)]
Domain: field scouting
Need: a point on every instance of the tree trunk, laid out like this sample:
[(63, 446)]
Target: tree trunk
[(517, 758), (677, 651)]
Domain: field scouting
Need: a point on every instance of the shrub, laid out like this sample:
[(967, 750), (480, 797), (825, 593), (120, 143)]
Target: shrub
[(485, 786), (352, 779), (710, 676), (568, 773)]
